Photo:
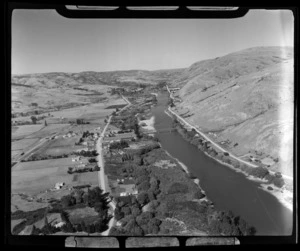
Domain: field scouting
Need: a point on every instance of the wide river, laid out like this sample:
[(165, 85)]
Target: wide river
[(228, 189)]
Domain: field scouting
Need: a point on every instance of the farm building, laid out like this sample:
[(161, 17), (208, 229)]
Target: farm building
[(59, 185)]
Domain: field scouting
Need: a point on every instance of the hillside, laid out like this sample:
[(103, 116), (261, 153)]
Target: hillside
[(44, 91), (246, 98)]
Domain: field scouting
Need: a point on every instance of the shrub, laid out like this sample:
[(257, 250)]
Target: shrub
[(279, 182)]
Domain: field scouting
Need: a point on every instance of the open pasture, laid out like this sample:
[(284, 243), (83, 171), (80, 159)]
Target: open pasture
[(59, 146), (37, 176), (22, 144), (25, 131), (50, 130)]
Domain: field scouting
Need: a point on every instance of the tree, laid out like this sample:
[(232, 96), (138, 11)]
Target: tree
[(144, 218), (118, 214), (83, 226), (126, 210), (67, 201), (144, 186), (34, 119), (178, 188), (135, 211), (79, 228), (279, 182), (143, 198)]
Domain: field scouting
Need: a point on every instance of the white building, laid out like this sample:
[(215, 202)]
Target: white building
[(59, 224), (59, 185)]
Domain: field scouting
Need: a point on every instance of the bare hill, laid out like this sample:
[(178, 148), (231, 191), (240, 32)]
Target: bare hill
[(244, 97), (43, 91)]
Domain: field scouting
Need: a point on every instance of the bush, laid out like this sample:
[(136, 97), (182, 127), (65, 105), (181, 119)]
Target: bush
[(279, 182)]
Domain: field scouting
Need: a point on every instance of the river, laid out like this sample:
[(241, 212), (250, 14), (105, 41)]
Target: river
[(229, 190)]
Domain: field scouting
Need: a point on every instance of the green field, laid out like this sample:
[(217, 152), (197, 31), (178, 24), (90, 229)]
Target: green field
[(37, 176), (59, 146), (21, 144), (25, 130)]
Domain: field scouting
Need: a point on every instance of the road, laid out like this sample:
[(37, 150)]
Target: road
[(215, 144), (101, 176), (101, 173)]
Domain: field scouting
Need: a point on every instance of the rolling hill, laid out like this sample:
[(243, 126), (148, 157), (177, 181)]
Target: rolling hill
[(246, 98)]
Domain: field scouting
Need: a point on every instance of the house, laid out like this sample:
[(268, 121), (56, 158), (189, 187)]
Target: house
[(76, 159), (59, 224), (59, 185)]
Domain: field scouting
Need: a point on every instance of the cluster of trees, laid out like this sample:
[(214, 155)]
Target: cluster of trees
[(119, 145), (226, 223), (178, 187), (36, 157), (92, 198), (84, 153), (147, 185), (148, 148), (81, 122), (83, 169), (92, 160), (86, 134), (133, 220)]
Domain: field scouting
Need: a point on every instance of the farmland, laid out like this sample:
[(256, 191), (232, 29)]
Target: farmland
[(45, 152)]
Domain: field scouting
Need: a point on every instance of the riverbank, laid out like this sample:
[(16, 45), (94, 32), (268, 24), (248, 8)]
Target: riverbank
[(258, 174)]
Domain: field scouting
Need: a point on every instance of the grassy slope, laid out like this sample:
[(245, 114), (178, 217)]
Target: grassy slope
[(246, 97)]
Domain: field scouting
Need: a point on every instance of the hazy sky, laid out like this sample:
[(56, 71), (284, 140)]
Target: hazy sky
[(44, 41)]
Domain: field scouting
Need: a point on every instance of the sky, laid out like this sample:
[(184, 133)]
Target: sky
[(44, 41)]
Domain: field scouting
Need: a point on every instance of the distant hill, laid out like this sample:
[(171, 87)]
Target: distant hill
[(245, 97)]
